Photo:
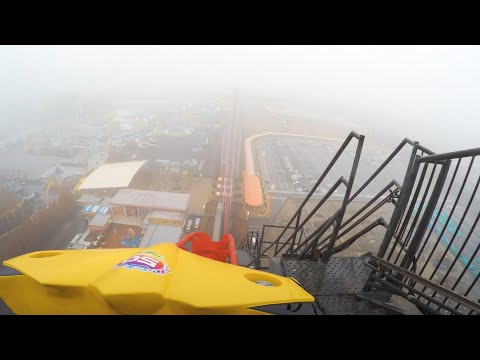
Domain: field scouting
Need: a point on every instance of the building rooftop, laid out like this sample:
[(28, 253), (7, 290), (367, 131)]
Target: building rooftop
[(165, 214), (158, 234), (151, 199), (99, 220), (97, 209), (112, 175)]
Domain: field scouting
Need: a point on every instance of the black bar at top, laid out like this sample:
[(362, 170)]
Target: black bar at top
[(450, 155)]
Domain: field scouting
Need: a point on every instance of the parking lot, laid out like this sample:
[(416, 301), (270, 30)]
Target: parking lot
[(294, 164)]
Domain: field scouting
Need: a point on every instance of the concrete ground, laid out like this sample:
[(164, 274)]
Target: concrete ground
[(114, 235), (369, 242), (200, 190)]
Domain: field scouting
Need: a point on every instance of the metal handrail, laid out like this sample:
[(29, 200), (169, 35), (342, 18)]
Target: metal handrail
[(337, 218), (450, 155), (414, 243), (340, 151)]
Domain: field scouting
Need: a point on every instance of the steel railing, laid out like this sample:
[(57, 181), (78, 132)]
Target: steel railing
[(434, 234), (430, 250), (313, 245)]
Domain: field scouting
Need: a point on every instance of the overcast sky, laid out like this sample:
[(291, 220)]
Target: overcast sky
[(429, 93)]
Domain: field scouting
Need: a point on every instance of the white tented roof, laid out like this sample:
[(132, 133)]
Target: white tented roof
[(112, 175)]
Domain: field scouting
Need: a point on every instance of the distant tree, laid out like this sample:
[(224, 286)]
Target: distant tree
[(177, 182)]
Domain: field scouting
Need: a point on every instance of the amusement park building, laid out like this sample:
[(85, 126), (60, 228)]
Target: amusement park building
[(143, 208)]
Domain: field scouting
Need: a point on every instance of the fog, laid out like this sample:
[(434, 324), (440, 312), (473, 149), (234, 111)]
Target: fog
[(123, 147), (427, 93)]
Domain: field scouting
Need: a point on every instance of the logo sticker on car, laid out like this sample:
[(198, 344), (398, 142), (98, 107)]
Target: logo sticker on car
[(146, 261)]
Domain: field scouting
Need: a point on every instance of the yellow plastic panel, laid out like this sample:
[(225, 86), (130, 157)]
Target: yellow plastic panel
[(162, 279)]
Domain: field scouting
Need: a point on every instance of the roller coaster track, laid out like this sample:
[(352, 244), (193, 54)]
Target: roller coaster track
[(11, 212), (13, 209), (229, 164)]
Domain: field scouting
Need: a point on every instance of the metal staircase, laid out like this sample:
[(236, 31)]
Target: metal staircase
[(427, 261)]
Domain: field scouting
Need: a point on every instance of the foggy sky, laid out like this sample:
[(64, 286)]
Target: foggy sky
[(428, 93)]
